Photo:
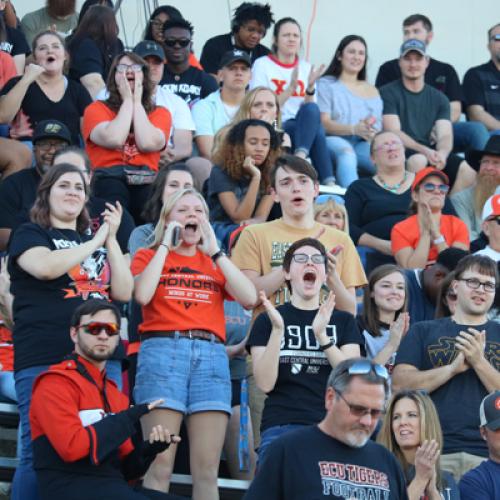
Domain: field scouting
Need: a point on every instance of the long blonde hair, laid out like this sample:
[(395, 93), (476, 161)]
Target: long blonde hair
[(159, 231), (430, 427)]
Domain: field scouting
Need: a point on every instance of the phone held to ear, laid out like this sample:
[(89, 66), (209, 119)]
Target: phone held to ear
[(176, 236)]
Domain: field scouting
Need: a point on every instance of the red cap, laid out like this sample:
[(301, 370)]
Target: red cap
[(428, 172)]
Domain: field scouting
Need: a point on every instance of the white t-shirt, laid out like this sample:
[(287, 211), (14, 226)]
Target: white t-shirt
[(489, 252), (269, 72)]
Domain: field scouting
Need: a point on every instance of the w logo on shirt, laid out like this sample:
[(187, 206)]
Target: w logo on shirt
[(443, 353)]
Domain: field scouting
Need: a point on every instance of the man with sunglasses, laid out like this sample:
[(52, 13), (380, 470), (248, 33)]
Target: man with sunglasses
[(179, 76), (82, 425), (336, 458), (456, 360)]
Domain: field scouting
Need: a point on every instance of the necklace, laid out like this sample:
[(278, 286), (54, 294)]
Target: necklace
[(395, 187)]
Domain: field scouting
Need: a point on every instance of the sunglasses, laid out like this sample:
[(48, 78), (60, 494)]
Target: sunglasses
[(360, 411), (96, 327), (496, 219), (181, 42), (430, 187), (363, 366), (303, 258), (324, 198)]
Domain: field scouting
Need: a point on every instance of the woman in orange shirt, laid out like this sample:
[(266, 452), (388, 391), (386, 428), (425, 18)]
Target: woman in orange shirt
[(417, 241), (125, 134), (181, 283)]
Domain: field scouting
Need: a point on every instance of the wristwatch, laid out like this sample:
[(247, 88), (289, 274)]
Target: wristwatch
[(217, 255), (311, 92)]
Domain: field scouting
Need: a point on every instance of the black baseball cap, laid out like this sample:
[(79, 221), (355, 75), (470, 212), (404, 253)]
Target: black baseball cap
[(149, 48), (232, 56), (51, 129)]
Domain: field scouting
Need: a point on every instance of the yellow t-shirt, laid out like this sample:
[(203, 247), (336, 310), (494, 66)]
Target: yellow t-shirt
[(262, 247)]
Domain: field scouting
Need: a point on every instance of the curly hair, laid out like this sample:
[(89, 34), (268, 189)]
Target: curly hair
[(114, 101), (252, 11), (231, 154)]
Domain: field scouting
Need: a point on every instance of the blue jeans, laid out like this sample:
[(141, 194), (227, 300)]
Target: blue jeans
[(308, 135), (24, 485), (269, 435), (7, 387), (351, 154), (114, 372), (469, 135)]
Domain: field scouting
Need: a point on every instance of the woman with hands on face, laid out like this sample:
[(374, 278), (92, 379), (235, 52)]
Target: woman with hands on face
[(181, 283), (417, 241), (295, 346), (238, 186), (54, 266), (125, 134), (411, 430)]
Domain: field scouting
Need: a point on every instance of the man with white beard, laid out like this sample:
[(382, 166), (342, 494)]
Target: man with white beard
[(469, 203)]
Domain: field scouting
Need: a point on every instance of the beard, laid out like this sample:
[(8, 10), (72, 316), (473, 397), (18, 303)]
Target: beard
[(485, 187)]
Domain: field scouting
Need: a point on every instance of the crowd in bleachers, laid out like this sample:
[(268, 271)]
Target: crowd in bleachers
[(257, 221)]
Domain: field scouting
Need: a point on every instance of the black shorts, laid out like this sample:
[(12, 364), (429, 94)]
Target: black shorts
[(451, 168)]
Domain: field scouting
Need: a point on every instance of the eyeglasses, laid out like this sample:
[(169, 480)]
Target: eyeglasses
[(157, 24), (123, 68), (95, 328), (388, 146), (303, 258), (496, 219), (181, 42), (324, 198), (360, 411), (430, 187), (495, 38), (45, 146), (474, 284)]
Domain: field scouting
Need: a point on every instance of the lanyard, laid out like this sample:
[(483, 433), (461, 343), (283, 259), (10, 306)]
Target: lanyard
[(243, 451)]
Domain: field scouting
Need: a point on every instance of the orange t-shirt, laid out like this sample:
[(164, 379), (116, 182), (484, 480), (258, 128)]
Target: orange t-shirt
[(128, 154), (7, 68), (407, 234), (193, 61), (6, 349), (190, 294)]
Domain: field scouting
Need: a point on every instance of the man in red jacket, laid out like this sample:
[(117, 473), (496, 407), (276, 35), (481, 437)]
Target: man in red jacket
[(82, 424)]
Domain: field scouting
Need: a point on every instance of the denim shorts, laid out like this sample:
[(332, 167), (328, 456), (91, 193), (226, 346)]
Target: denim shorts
[(190, 375)]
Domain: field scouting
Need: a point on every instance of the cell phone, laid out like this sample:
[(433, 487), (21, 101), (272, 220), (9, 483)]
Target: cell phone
[(336, 250), (176, 236)]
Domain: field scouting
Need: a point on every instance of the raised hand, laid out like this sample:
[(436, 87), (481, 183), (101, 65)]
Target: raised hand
[(314, 74), (331, 266), (123, 86), (101, 235), (471, 344), (250, 168), (323, 316), (168, 236), (459, 364), (32, 72), (113, 217), (275, 317), (294, 80), (208, 243), (138, 86), (4, 277), (426, 458)]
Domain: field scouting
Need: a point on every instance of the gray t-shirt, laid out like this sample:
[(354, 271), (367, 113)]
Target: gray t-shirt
[(417, 111), (463, 203), (221, 182), (345, 107), (39, 20)]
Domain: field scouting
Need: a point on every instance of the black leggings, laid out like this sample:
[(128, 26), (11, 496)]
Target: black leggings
[(115, 188)]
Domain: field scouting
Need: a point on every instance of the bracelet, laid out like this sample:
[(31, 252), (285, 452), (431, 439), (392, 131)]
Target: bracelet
[(326, 346), (218, 255), (311, 92), (439, 240)]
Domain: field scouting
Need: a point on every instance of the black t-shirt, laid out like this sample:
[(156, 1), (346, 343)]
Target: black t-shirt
[(299, 392), (88, 57), (15, 42), (36, 106), (375, 210), (216, 47), (431, 344), (308, 464), (42, 308), (18, 193), (442, 76), (482, 87), (192, 85)]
